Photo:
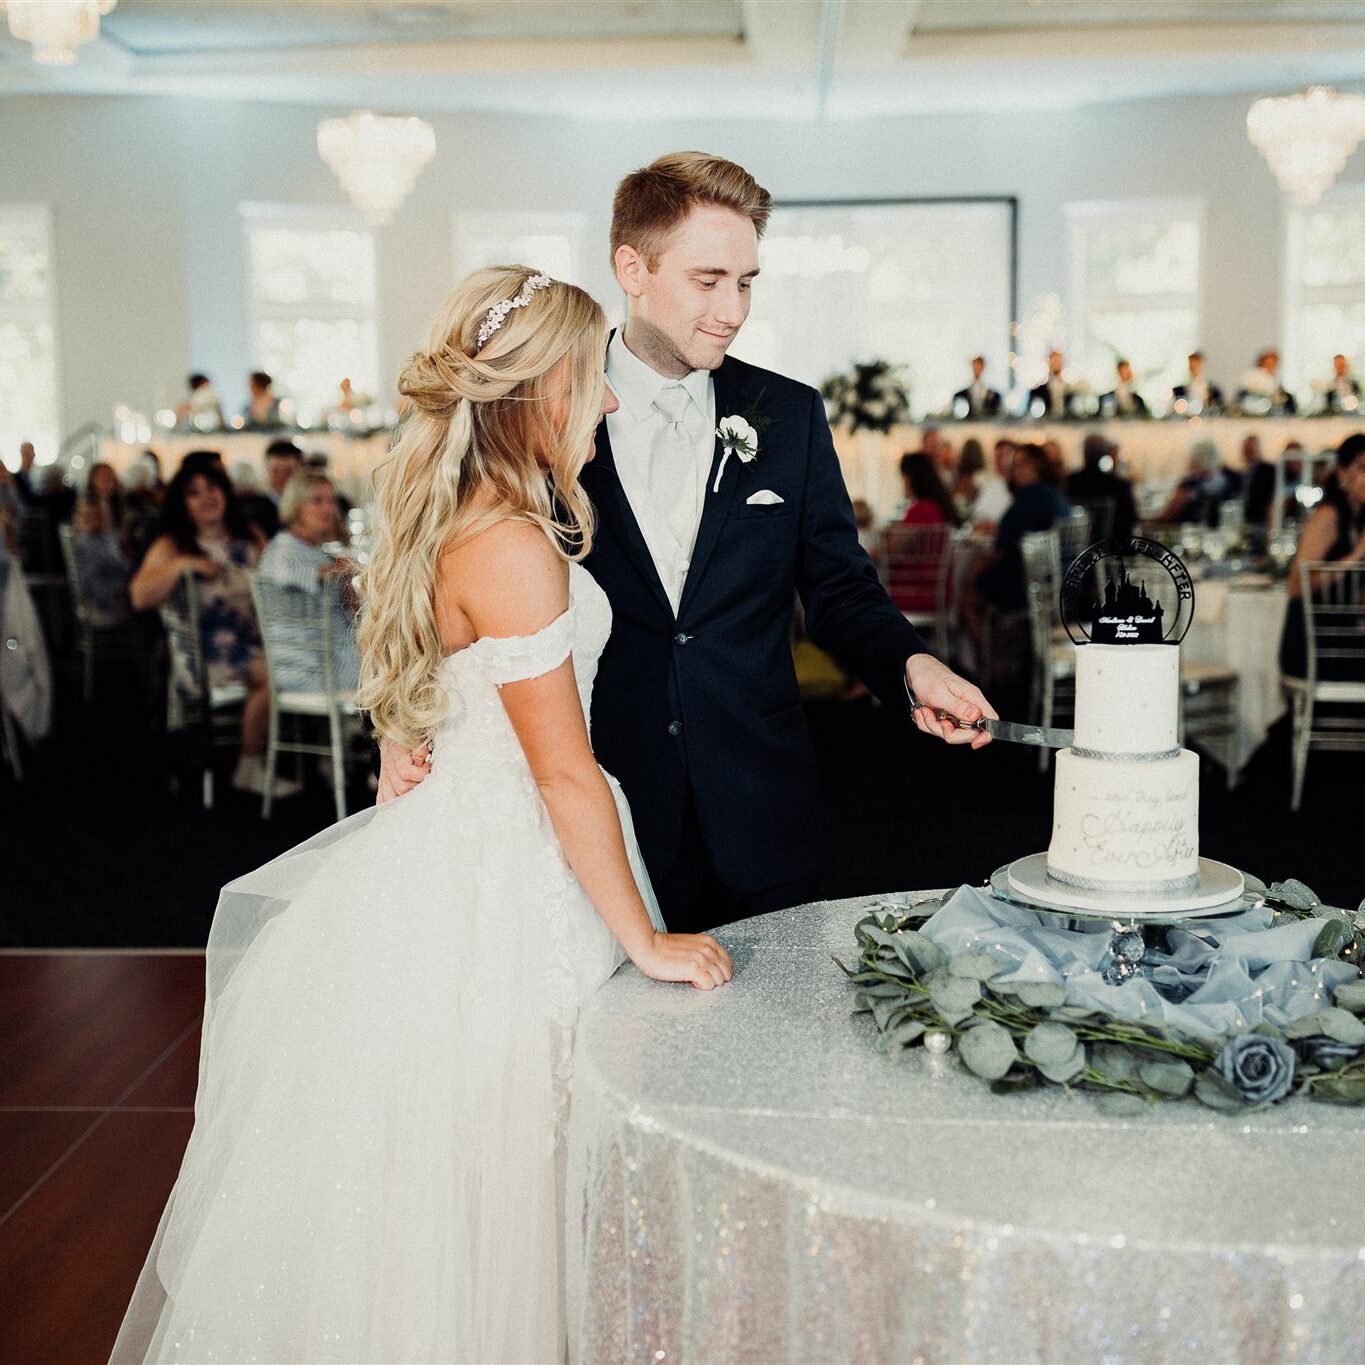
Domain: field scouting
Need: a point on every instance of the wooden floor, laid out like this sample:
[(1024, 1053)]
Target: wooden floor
[(98, 1065)]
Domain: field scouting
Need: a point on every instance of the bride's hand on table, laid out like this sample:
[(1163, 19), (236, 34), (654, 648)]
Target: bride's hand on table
[(694, 958), (937, 688), (401, 769)]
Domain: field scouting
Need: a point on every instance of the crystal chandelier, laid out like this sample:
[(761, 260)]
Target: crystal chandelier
[(377, 158), (56, 28), (1306, 138)]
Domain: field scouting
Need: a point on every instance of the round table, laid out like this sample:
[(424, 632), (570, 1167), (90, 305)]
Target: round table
[(750, 1177)]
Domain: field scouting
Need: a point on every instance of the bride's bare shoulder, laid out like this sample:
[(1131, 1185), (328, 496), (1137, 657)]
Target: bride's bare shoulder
[(508, 579)]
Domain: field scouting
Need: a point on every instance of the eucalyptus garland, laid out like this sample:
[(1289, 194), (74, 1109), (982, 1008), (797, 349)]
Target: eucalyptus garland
[(1022, 1035)]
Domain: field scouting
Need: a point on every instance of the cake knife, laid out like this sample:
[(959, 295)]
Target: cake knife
[(1010, 731)]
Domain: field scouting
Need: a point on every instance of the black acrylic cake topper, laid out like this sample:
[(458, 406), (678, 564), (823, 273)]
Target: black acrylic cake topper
[(1127, 591)]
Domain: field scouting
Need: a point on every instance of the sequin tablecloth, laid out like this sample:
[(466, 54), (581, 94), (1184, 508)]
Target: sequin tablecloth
[(750, 1178)]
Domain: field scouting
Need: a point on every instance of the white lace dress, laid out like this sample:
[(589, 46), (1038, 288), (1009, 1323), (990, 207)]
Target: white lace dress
[(374, 1169)]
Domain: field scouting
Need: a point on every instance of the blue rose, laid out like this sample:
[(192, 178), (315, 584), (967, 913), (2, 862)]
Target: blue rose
[(1261, 1067)]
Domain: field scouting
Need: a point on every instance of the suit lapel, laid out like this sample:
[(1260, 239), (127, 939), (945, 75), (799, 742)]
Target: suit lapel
[(716, 507), (603, 485)]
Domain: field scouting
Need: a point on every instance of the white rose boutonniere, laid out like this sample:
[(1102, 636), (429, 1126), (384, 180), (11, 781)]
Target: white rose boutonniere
[(737, 437)]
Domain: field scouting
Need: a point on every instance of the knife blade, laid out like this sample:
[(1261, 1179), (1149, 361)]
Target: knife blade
[(1012, 732)]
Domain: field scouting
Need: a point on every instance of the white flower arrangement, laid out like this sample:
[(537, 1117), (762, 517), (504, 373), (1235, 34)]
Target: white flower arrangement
[(871, 397)]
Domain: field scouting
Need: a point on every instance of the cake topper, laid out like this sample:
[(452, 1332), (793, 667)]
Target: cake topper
[(1127, 591)]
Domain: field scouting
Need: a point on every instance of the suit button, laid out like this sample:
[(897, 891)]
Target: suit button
[(681, 639), (675, 727)]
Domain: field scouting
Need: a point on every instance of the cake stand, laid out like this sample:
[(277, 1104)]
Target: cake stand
[(1222, 890)]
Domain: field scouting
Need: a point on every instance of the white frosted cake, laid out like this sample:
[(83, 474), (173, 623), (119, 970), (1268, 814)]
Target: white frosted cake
[(1126, 814)]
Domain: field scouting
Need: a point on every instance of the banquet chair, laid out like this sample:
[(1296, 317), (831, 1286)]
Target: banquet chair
[(1074, 536), (1052, 684), (1100, 511), (213, 714), (293, 620), (1209, 712), (1334, 631), (916, 567), (99, 635)]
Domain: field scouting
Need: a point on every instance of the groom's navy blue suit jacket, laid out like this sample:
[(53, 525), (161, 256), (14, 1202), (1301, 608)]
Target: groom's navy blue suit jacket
[(709, 700)]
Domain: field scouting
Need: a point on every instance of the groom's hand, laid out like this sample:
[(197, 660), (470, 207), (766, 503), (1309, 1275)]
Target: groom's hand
[(400, 769), (938, 688)]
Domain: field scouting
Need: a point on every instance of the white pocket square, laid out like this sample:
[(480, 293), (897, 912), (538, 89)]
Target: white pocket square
[(765, 497)]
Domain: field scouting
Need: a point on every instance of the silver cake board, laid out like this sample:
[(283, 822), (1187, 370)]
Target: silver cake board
[(1222, 890)]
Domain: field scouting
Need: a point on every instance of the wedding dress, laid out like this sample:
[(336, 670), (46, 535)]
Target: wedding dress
[(374, 1169)]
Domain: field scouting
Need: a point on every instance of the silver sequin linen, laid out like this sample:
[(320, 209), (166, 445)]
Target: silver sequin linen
[(752, 1179)]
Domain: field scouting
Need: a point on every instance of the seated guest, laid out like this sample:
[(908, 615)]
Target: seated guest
[(995, 493), (866, 523), (1096, 483), (261, 510), (939, 450), (1198, 393), (25, 482), (1052, 397), (1055, 472), (1261, 390), (912, 583), (1198, 496), (971, 466), (283, 459), (263, 408), (1123, 400), (1334, 533), (205, 532), (978, 399), (295, 559), (102, 559), (201, 409), (351, 400), (1038, 506), (1258, 483), (1341, 393)]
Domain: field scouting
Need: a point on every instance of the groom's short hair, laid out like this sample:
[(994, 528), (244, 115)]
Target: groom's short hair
[(652, 201)]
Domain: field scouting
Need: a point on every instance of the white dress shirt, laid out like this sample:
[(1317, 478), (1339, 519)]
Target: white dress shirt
[(632, 429)]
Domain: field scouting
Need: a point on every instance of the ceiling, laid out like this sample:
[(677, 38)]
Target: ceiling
[(668, 59)]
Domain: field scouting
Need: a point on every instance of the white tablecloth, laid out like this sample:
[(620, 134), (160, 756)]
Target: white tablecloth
[(1238, 622), (751, 1178)]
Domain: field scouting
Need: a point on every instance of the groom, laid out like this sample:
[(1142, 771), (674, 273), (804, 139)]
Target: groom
[(695, 708)]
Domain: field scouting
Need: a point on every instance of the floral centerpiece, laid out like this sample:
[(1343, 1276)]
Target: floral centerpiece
[(870, 397), (1022, 1035)]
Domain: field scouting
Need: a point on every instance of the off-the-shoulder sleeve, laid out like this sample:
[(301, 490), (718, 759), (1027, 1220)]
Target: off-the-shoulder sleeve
[(514, 658)]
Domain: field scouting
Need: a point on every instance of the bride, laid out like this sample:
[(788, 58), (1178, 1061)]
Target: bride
[(374, 1172)]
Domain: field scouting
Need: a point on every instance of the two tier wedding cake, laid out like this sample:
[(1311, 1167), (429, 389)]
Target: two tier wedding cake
[(1126, 814)]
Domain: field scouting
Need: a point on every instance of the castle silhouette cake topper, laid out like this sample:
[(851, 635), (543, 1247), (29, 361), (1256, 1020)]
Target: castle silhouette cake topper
[(1127, 591)]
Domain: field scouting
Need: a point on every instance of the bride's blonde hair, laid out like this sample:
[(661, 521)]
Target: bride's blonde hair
[(484, 426)]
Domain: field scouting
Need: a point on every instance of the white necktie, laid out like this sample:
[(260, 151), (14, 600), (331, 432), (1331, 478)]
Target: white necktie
[(673, 469)]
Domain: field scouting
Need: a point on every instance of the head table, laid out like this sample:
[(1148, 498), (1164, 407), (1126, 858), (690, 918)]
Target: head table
[(751, 1178)]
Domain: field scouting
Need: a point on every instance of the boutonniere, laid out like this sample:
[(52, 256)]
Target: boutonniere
[(738, 435)]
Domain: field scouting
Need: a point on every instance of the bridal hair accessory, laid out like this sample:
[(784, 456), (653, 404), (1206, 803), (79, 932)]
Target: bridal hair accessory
[(497, 314)]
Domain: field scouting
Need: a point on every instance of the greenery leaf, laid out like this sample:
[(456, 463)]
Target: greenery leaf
[(1173, 1077), (1211, 1089), (1305, 1026), (954, 996), (1015, 1082), (978, 966), (1334, 935), (1050, 1044), (1120, 1104), (1340, 1024), (1341, 1087), (1294, 894), (919, 952), (1115, 1060), (988, 1050), (906, 1031), (1351, 996)]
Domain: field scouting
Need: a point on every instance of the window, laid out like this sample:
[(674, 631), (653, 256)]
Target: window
[(311, 287), (551, 242), (1325, 287), (1134, 290), (923, 284), (29, 408)]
